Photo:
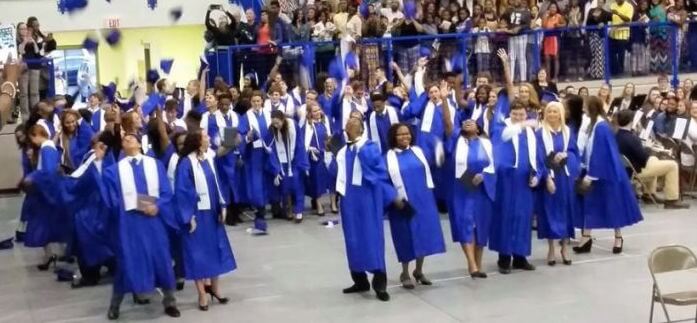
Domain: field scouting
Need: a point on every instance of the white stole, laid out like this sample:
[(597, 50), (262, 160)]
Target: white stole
[(310, 132), (395, 174), (128, 182), (374, 133), (429, 113), (172, 168), (44, 124), (254, 124), (83, 168), (478, 110), (47, 143), (462, 154), (200, 183), (532, 146), (548, 143), (285, 151), (357, 177)]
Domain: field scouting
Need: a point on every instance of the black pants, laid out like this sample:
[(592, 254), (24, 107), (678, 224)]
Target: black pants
[(379, 280), (234, 211), (618, 48), (92, 274), (505, 260)]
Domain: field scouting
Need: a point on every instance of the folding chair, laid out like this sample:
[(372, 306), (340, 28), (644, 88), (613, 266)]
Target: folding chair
[(671, 259), (686, 149), (633, 177)]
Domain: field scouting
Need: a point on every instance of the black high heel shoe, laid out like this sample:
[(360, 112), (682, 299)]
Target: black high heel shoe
[(221, 300), (44, 267), (421, 279), (618, 250), (586, 247), (478, 274)]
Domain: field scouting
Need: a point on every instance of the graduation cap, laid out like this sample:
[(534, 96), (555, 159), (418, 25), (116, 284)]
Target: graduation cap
[(152, 76), (548, 96), (457, 62), (377, 96), (64, 275), (394, 101), (424, 51), (335, 144), (175, 13), (109, 92), (90, 43), (126, 105), (6, 244), (152, 4), (166, 65), (112, 36), (409, 9), (336, 70), (71, 6), (351, 61), (151, 104), (363, 9)]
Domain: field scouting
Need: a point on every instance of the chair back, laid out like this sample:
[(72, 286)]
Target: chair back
[(628, 165), (671, 258)]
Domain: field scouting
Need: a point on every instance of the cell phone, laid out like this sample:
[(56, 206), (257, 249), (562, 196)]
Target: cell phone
[(215, 6)]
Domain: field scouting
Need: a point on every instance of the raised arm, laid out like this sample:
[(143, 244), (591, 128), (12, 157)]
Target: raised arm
[(508, 80), (447, 119)]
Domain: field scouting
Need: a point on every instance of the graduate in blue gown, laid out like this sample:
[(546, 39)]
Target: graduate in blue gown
[(365, 190), (46, 221), (201, 210), (26, 153), (288, 163), (316, 132), (138, 196), (73, 140), (416, 231), (256, 180), (518, 171), (609, 202), (84, 202), (557, 204), (96, 113), (471, 205), (380, 119)]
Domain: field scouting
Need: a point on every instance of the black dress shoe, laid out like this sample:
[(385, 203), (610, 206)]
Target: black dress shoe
[(505, 270), (566, 262), (140, 301), (382, 295), (203, 307), (478, 274), (356, 289), (113, 313), (83, 283), (551, 263), (586, 247), (523, 265), (47, 264), (180, 284), (221, 300), (172, 311), (618, 250)]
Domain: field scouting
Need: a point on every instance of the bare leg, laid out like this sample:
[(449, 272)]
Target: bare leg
[(333, 204), (320, 206), (550, 252), (565, 250), (478, 252), (618, 238), (468, 249), (585, 236), (419, 265), (201, 289)]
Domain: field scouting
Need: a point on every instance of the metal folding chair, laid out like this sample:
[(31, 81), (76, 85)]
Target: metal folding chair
[(633, 177), (671, 259)]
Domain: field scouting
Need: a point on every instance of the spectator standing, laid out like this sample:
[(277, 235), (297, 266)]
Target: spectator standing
[(222, 32), (354, 25), (574, 42), (622, 13), (640, 56), (408, 50), (482, 48), (30, 51), (490, 15), (519, 19), (658, 41), (341, 18), (323, 30), (598, 17), (552, 19), (392, 13)]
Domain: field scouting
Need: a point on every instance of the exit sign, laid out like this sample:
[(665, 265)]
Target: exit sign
[(112, 22)]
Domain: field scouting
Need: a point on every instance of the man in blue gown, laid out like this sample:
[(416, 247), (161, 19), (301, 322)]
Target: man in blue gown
[(365, 190), (137, 193)]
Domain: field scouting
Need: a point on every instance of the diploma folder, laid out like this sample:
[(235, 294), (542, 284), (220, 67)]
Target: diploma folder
[(549, 162), (466, 179), (230, 137)]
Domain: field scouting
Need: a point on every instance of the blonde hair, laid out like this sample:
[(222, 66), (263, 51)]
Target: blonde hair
[(534, 101), (562, 117)]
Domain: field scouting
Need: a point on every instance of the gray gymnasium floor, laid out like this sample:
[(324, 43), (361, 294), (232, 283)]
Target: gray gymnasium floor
[(297, 272)]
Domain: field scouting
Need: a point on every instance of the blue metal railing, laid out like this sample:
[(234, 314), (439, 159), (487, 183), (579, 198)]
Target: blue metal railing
[(223, 60), (46, 64)]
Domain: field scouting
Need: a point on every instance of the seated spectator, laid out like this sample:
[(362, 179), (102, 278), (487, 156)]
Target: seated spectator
[(649, 168), (665, 121)]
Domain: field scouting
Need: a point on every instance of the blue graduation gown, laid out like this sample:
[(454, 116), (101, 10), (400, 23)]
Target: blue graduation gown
[(470, 211), (139, 241), (362, 209), (419, 235), (46, 219), (556, 212), (255, 176), (26, 170), (510, 226), (207, 252), (290, 185), (382, 121), (610, 203), (90, 216), (96, 122), (80, 143), (319, 181)]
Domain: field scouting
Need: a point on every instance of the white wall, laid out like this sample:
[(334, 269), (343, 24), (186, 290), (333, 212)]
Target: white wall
[(131, 13)]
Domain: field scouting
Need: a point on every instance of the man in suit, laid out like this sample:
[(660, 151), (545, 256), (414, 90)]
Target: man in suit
[(648, 168)]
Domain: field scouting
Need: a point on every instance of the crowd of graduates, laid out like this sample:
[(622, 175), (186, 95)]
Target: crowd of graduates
[(145, 186)]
